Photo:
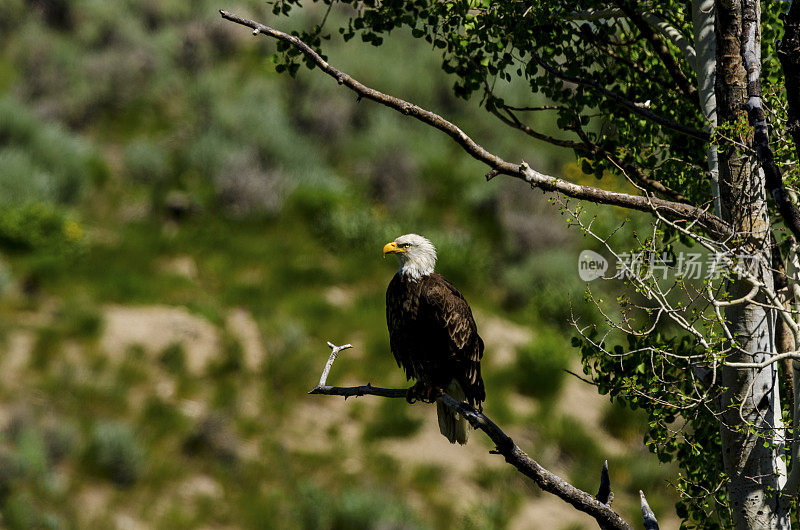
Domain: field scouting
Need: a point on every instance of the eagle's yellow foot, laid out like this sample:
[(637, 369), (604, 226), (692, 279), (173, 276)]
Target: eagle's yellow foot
[(422, 392)]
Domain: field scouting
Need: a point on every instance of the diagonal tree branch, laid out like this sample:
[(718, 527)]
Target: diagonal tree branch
[(585, 502), (507, 115), (674, 210), (512, 120)]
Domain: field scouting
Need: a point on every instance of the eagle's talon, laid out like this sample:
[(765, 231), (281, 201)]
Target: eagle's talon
[(419, 391), (422, 392), (431, 393)]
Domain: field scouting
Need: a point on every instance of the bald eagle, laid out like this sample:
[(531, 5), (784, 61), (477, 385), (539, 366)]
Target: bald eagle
[(432, 334)]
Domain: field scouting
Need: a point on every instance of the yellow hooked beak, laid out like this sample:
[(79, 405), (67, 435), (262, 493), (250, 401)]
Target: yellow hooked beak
[(392, 248)]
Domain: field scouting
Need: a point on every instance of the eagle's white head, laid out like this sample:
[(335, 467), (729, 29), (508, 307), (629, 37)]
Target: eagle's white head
[(417, 255)]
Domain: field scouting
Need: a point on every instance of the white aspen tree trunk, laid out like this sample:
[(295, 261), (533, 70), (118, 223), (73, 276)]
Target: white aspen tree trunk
[(752, 440), (705, 64)]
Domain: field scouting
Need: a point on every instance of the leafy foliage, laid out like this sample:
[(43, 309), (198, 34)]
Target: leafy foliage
[(629, 381)]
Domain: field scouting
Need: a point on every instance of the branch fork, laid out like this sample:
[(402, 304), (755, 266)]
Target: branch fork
[(334, 353)]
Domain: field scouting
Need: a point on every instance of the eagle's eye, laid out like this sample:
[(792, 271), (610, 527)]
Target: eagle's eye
[(404, 245)]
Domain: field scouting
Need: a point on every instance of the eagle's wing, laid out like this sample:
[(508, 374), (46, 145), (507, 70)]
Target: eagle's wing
[(450, 316)]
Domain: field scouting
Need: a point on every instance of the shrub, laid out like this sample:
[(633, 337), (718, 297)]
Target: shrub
[(365, 509), (42, 161), (35, 226), (80, 319), (540, 366), (32, 451), (542, 282), (6, 279), (116, 453), (46, 348), (61, 439), (21, 179), (12, 470), (315, 506), (173, 358), (21, 512), (160, 418), (147, 161), (214, 436)]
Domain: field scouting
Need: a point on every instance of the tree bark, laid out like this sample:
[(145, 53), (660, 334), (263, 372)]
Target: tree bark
[(750, 407)]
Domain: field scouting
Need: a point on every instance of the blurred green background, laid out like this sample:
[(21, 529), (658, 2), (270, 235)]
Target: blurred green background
[(181, 231)]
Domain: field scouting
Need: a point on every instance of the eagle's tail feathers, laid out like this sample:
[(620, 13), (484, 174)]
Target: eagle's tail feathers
[(451, 424)]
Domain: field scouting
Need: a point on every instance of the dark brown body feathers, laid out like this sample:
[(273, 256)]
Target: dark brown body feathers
[(433, 335)]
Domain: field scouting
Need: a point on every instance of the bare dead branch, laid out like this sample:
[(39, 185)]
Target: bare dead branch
[(713, 224), (357, 391), (334, 352), (504, 445)]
